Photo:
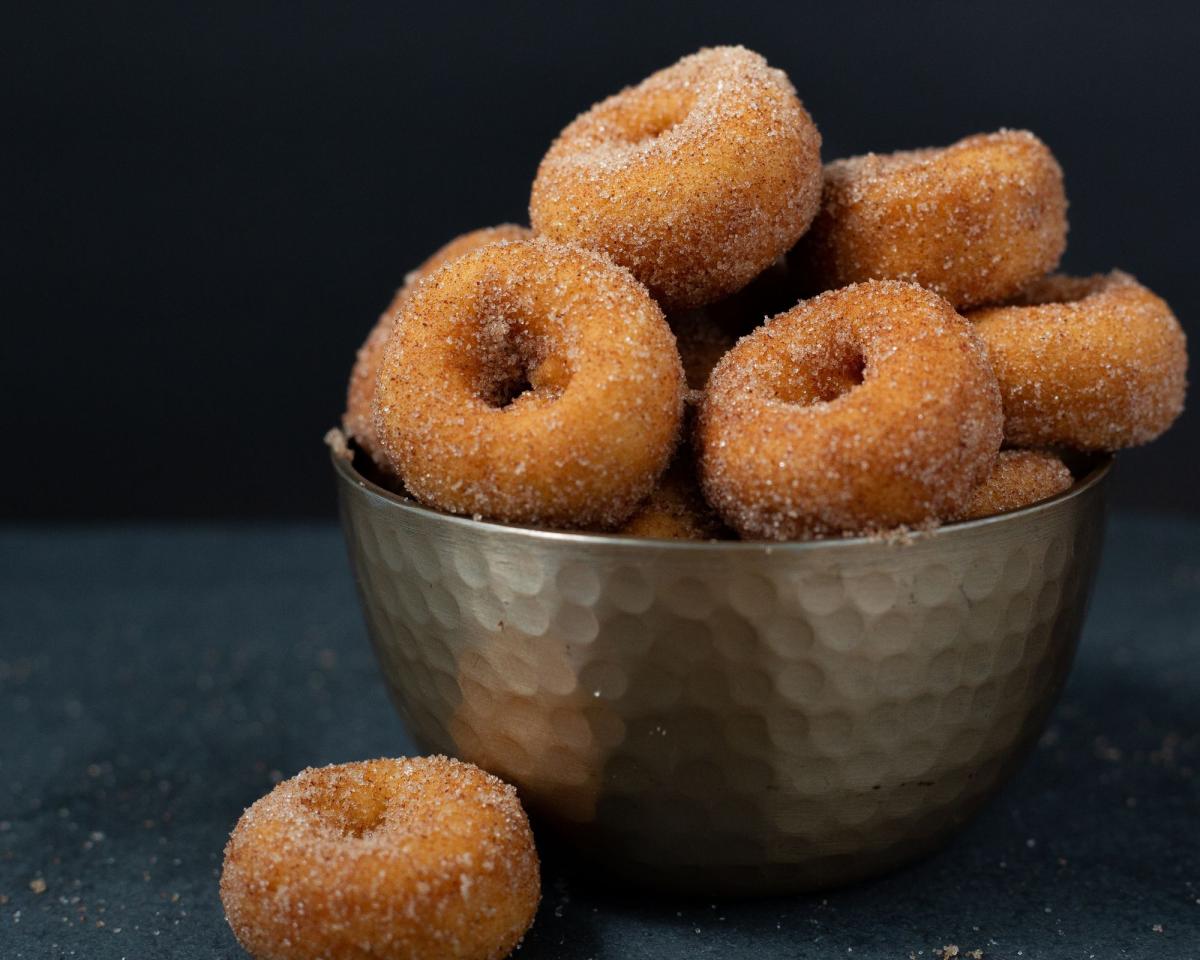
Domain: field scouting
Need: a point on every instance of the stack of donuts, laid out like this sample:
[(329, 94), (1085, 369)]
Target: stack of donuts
[(608, 368)]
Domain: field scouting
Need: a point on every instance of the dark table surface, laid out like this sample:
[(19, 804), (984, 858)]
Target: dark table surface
[(153, 682)]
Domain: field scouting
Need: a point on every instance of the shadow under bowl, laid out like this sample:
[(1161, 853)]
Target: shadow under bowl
[(731, 717)]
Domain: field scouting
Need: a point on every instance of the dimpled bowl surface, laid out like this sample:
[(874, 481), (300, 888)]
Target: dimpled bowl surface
[(733, 718)]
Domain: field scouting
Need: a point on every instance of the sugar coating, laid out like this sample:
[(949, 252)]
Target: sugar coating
[(1095, 363), (861, 410), (977, 221), (696, 179), (358, 420), (420, 859), (530, 382), (1019, 478)]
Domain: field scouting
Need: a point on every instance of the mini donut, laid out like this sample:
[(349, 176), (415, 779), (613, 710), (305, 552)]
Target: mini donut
[(1095, 363), (422, 859), (530, 382), (977, 221), (696, 179), (676, 508), (358, 420), (1018, 478), (860, 410)]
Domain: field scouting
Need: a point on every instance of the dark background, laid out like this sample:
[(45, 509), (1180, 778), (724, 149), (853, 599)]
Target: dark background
[(206, 207)]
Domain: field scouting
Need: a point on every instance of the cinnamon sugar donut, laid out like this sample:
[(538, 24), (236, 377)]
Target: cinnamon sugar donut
[(696, 179), (1019, 478), (1095, 363), (421, 859), (358, 420), (530, 382), (977, 221), (860, 410)]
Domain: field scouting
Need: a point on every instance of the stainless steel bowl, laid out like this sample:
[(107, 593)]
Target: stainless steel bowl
[(730, 717)]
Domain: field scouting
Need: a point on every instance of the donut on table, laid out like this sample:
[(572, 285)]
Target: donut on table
[(358, 420), (1094, 363), (977, 221), (696, 179), (1019, 478), (530, 382), (860, 410), (420, 859)]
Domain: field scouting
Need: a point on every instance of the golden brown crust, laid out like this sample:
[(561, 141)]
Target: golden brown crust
[(1018, 479), (425, 859), (530, 382), (696, 179), (358, 420), (1095, 363), (860, 410), (977, 221), (460, 246)]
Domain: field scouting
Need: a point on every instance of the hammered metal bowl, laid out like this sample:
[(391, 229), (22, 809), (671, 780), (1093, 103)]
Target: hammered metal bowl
[(730, 718)]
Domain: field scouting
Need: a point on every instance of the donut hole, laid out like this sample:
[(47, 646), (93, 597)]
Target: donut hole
[(656, 127), (506, 393), (350, 809), (648, 118), (525, 374), (811, 379), (841, 380), (511, 364)]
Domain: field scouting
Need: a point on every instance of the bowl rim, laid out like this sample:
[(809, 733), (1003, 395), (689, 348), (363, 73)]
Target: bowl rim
[(344, 467)]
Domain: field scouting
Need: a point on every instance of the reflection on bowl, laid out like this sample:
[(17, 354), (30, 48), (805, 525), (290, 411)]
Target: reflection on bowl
[(730, 717)]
